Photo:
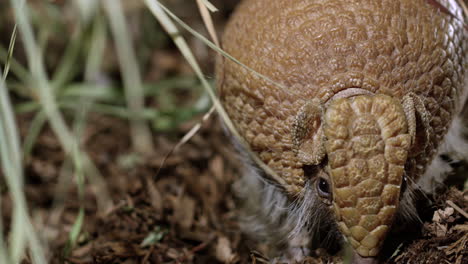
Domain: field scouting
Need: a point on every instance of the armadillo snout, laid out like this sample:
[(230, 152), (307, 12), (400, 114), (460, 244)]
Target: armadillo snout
[(367, 144)]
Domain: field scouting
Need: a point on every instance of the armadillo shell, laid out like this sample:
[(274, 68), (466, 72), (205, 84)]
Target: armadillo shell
[(316, 48)]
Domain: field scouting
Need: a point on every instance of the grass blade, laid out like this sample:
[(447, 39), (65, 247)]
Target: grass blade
[(36, 66), (50, 107), (96, 50), (141, 135), (45, 90), (35, 128), (10, 53), (11, 164), (15, 67), (209, 5), (203, 6), (87, 8), (67, 67), (22, 232)]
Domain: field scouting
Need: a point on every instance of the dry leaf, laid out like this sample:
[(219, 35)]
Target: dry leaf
[(223, 250), (184, 212)]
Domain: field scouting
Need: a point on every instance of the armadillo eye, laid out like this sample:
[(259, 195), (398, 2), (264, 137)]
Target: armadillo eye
[(323, 188)]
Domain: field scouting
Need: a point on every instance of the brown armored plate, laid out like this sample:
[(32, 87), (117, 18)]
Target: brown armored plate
[(367, 148), (318, 49)]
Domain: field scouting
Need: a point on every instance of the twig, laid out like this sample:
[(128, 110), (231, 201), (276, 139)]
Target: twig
[(185, 139), (461, 211)]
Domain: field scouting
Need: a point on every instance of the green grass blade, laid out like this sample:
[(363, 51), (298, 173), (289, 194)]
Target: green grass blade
[(141, 135), (79, 126), (10, 53), (16, 68), (87, 8), (96, 50), (10, 155), (68, 66), (51, 109), (35, 128), (11, 164), (45, 91), (36, 66), (75, 231)]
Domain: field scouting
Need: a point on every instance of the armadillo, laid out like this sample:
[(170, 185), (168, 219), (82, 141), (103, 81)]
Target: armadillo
[(362, 98)]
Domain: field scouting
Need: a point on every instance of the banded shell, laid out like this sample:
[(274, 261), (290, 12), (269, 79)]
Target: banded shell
[(318, 48)]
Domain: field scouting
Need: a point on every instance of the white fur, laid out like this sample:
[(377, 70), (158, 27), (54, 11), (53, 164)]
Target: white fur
[(286, 225), (455, 146)]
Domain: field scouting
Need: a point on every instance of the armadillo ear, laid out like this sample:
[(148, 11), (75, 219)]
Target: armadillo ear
[(307, 134), (419, 126)]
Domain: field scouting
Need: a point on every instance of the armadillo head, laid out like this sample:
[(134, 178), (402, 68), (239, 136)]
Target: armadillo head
[(366, 141), (366, 138)]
